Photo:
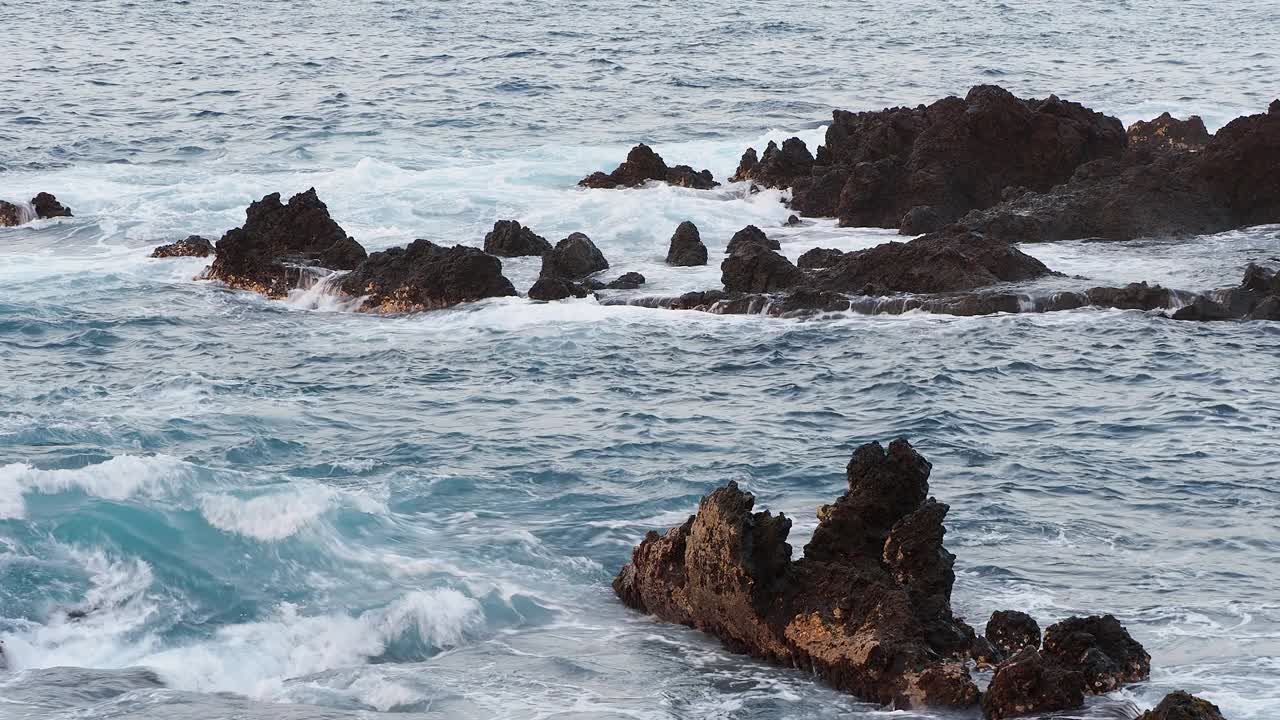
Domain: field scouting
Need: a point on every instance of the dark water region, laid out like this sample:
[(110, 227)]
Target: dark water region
[(284, 510)]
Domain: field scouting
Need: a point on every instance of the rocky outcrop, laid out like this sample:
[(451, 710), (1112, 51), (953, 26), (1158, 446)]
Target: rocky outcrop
[(1256, 298), (192, 246), (511, 239), (1183, 706), (1154, 189), (950, 157), (424, 276), (625, 281), (778, 167), (644, 165), (1169, 132), (573, 258), (1027, 683), (819, 258), (47, 206), (867, 608), (1010, 631), (551, 289), (686, 248), (280, 246), (1100, 648), (754, 268), (10, 215), (750, 235)]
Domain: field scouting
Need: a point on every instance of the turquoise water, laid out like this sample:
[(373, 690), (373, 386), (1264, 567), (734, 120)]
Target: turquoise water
[(287, 510)]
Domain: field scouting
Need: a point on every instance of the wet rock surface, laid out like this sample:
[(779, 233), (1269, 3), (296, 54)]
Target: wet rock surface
[(728, 571), (47, 206), (42, 206), (1100, 649), (750, 235), (573, 258), (511, 239), (777, 167), (192, 246), (687, 249), (1167, 131), (9, 214), (1183, 706), (425, 276), (1028, 683), (1010, 631), (279, 245), (551, 289), (754, 268), (644, 165)]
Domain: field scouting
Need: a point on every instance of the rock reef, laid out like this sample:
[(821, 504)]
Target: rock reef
[(1183, 706), (426, 276), (192, 246), (868, 606), (644, 165), (42, 206), (511, 239), (686, 248)]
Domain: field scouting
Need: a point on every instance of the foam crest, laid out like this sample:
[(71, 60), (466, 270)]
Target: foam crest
[(275, 516), (117, 479)]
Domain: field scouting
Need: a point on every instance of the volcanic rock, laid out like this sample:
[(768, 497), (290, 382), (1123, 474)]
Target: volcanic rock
[(750, 235), (754, 268), (9, 215), (819, 258), (192, 246), (510, 239), (1011, 631), (778, 167), (1183, 706), (643, 165), (1167, 131), (1100, 648), (47, 206), (424, 276), (867, 608), (573, 258), (548, 289), (1028, 683), (686, 248)]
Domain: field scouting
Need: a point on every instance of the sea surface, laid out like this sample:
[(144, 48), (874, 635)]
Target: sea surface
[(214, 506)]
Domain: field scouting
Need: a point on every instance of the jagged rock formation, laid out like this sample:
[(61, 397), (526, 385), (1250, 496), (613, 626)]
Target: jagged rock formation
[(425, 276), (644, 165), (279, 247), (1010, 631), (868, 606), (686, 248), (511, 239), (42, 206), (1167, 131), (47, 206), (192, 246), (778, 167), (750, 235)]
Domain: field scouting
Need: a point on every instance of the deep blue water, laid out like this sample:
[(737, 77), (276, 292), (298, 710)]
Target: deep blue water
[(288, 510)]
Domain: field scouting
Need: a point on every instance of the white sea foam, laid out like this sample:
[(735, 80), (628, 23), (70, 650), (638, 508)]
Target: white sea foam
[(278, 515), (119, 478)]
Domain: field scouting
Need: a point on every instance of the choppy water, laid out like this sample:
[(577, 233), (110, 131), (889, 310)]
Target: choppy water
[(282, 510)]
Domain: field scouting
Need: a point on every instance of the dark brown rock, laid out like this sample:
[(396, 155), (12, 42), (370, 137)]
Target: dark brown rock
[(792, 221), (47, 206), (686, 248), (861, 609), (573, 258), (1028, 683), (777, 167), (548, 289), (819, 258), (9, 214), (750, 235), (425, 276), (193, 246), (644, 165), (511, 239), (1011, 631), (280, 245), (1167, 131), (1100, 649), (754, 268), (1183, 706)]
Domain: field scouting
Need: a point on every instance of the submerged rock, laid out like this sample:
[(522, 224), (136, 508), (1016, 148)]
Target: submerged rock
[(573, 258), (867, 608), (750, 235), (1183, 706), (47, 206), (550, 289), (278, 244), (192, 246), (686, 248), (511, 239), (425, 276), (644, 165), (1010, 631)]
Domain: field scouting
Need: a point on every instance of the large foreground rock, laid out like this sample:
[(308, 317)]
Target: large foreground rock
[(1026, 683), (1183, 706), (1156, 189), (280, 245), (867, 608), (1101, 649), (511, 239), (425, 276), (644, 165)]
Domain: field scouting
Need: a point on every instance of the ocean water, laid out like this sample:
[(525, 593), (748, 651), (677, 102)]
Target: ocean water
[(217, 506)]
